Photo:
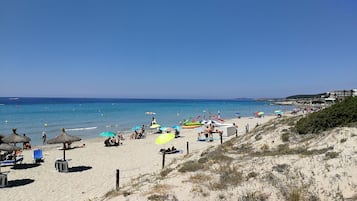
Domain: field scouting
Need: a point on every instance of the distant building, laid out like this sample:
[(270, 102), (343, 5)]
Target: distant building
[(342, 93)]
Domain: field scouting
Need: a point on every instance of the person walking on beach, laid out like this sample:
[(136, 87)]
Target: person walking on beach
[(246, 128), (43, 137), (236, 127)]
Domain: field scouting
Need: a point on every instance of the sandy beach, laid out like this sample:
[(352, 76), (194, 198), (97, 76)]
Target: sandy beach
[(262, 166), (93, 168)]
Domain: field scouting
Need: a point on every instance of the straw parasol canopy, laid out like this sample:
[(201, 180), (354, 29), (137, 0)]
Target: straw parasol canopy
[(8, 147), (63, 138), (15, 138)]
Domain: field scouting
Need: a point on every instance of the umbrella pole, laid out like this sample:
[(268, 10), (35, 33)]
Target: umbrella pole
[(64, 151)]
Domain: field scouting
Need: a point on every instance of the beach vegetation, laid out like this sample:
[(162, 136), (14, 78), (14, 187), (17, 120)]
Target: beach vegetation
[(281, 168), (217, 156), (285, 137), (254, 196), (295, 195), (252, 175), (258, 137), (343, 140), (283, 149), (114, 193), (190, 166), (162, 197), (265, 147), (331, 155), (199, 189), (343, 113), (243, 148), (221, 196), (200, 178), (165, 172), (228, 176)]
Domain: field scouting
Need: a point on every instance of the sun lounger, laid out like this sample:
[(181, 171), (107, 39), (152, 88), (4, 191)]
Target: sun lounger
[(9, 160)]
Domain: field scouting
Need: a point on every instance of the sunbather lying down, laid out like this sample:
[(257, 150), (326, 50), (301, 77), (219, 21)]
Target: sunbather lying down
[(111, 142), (169, 151)]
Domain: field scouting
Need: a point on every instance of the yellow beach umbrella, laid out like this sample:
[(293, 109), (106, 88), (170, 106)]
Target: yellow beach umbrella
[(164, 138)]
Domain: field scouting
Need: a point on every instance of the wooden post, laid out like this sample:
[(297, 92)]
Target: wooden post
[(117, 180), (163, 160), (188, 150), (221, 137)]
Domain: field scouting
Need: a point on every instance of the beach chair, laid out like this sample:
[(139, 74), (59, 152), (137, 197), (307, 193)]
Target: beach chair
[(38, 155), (9, 160)]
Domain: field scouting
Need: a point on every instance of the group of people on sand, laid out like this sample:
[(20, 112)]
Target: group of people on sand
[(114, 141), (208, 133), (138, 134)]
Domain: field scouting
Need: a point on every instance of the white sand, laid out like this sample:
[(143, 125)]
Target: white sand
[(98, 165)]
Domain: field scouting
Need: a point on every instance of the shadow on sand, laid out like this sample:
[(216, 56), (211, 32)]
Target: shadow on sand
[(19, 182), (79, 168), (25, 166)]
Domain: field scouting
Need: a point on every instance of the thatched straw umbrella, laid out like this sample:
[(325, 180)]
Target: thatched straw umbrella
[(15, 138), (63, 138)]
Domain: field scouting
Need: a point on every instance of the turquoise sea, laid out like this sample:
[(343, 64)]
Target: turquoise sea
[(87, 117)]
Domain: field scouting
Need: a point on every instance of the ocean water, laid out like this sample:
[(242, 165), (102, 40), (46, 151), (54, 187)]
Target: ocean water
[(87, 118)]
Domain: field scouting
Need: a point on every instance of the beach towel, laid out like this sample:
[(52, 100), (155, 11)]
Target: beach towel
[(176, 151), (209, 139)]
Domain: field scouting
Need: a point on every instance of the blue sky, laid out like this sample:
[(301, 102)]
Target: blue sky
[(176, 49)]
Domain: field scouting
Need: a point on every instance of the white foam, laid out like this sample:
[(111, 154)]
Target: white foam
[(82, 129)]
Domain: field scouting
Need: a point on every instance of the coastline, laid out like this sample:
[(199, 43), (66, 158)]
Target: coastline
[(94, 166)]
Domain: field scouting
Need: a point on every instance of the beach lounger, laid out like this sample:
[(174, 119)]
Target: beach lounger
[(38, 155), (9, 160)]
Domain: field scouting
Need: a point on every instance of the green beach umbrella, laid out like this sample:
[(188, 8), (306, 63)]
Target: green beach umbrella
[(107, 134), (164, 138)]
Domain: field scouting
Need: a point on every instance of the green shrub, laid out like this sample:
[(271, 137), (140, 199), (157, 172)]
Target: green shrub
[(285, 137), (331, 155), (190, 166), (340, 114)]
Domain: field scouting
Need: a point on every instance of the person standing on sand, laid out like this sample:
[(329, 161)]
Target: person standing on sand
[(43, 137), (236, 127)]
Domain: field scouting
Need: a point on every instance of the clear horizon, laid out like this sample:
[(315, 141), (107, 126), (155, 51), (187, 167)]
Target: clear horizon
[(176, 50)]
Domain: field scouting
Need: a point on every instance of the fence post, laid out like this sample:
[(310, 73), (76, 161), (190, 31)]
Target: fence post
[(163, 160), (117, 180), (188, 150)]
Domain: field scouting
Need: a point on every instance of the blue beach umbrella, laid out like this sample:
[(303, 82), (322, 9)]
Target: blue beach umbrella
[(164, 128), (278, 112), (176, 127), (136, 128), (107, 134)]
